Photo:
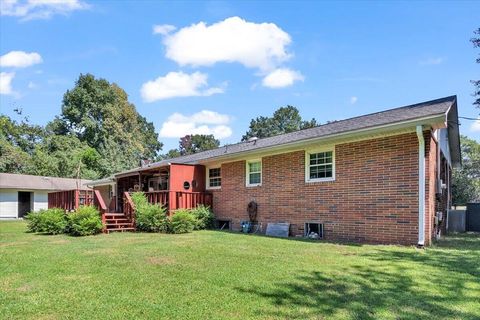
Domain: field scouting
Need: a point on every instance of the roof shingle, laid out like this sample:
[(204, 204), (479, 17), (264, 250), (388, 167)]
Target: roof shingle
[(29, 182), (388, 117)]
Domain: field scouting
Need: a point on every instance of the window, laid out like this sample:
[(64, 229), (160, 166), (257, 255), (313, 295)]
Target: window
[(320, 166), (223, 224), (313, 230), (254, 173), (214, 178)]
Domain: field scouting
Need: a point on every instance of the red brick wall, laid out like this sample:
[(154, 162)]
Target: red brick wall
[(442, 203), (430, 186), (374, 197), (435, 203)]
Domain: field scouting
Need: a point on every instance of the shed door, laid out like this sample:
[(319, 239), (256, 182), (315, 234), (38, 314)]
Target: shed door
[(24, 203)]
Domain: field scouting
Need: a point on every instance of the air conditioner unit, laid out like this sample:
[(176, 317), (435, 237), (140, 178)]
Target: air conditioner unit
[(439, 215)]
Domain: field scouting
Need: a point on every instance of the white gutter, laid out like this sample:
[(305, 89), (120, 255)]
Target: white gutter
[(421, 187)]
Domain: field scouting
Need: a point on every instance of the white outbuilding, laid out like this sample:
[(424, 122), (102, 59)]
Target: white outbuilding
[(21, 193)]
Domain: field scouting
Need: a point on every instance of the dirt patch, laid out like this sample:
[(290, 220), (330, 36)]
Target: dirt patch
[(103, 251), (160, 260), (59, 241), (24, 288), (76, 277), (47, 317), (12, 244)]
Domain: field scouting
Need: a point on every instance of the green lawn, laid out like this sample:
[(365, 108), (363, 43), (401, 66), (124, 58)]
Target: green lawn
[(217, 275)]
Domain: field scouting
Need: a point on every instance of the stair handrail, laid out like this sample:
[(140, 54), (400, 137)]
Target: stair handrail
[(129, 207), (100, 204)]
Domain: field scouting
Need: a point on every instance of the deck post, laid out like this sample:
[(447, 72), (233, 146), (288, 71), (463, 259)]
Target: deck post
[(77, 194), (172, 202)]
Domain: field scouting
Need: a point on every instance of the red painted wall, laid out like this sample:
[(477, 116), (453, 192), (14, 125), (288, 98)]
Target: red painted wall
[(179, 173)]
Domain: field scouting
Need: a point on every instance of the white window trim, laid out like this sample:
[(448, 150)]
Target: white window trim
[(247, 173), (207, 173), (307, 164)]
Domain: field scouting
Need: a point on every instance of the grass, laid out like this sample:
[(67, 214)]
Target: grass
[(217, 275)]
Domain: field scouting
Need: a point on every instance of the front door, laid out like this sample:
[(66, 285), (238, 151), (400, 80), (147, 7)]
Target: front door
[(24, 203)]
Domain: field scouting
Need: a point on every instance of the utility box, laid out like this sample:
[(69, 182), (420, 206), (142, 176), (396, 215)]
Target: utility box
[(456, 221)]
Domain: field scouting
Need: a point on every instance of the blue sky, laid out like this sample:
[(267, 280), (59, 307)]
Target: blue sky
[(209, 67)]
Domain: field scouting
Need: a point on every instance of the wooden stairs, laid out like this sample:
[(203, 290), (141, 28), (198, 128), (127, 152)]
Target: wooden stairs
[(117, 222)]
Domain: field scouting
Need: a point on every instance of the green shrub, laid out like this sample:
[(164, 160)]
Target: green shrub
[(139, 199), (204, 216), (52, 221), (85, 221), (151, 218), (182, 221), (34, 221)]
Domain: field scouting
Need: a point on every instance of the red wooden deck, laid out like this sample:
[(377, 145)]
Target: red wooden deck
[(71, 200)]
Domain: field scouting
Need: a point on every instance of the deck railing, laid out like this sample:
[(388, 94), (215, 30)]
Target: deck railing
[(129, 207), (158, 197), (174, 200), (70, 200), (100, 204), (189, 200)]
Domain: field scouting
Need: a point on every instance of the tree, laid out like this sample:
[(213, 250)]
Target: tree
[(284, 120), (191, 144), (66, 156), (12, 158), (21, 133), (30, 149), (476, 83), (98, 113), (17, 144), (172, 153), (466, 180)]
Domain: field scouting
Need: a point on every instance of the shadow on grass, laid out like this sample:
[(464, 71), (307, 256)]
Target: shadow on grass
[(386, 283), (460, 241), (297, 239)]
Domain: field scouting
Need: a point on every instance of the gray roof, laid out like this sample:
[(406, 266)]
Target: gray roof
[(101, 182), (389, 117), (29, 182)]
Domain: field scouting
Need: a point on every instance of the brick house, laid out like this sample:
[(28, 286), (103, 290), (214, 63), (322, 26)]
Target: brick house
[(378, 178)]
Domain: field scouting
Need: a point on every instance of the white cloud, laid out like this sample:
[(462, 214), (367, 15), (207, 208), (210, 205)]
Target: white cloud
[(203, 122), (178, 84), (20, 59), (32, 85), (163, 29), (475, 127), (432, 61), (254, 45), (39, 9), (6, 83), (353, 100), (281, 78)]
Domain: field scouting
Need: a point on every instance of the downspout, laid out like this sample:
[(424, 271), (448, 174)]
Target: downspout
[(421, 186)]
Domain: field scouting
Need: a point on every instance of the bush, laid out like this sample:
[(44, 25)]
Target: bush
[(85, 221), (204, 216), (34, 221), (52, 221), (182, 221), (139, 199), (151, 218)]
